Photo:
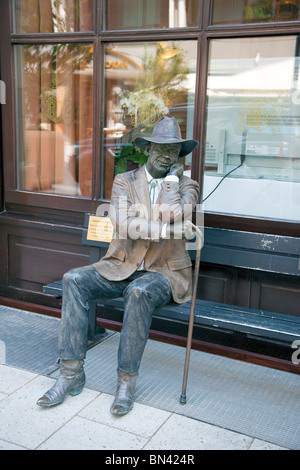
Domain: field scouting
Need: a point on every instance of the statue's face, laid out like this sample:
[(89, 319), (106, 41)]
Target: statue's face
[(161, 158)]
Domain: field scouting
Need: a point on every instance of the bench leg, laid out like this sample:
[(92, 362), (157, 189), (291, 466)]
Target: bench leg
[(95, 331)]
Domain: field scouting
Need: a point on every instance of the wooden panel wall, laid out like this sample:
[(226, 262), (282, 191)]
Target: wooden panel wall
[(35, 253), (259, 290)]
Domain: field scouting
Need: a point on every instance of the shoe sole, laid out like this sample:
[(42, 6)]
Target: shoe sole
[(74, 392), (120, 412)]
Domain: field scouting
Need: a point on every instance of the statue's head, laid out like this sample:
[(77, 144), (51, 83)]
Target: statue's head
[(165, 146), (161, 158)]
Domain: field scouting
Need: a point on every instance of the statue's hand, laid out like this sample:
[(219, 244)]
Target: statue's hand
[(181, 230), (176, 169)]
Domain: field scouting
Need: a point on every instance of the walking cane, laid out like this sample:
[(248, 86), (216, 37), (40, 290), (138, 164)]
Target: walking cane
[(192, 316)]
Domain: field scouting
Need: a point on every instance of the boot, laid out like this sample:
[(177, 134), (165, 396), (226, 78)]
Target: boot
[(123, 402), (71, 380)]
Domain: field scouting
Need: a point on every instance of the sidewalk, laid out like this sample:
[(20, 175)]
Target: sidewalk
[(85, 423), (231, 405)]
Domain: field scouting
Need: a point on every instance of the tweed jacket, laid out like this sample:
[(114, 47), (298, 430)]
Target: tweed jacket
[(138, 230)]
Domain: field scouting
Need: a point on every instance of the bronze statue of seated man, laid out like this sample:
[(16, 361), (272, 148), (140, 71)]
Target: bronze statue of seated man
[(145, 262)]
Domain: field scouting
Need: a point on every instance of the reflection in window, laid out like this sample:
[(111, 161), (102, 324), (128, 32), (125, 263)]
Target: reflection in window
[(253, 123), (254, 11), (53, 16), (54, 110), (143, 83), (142, 14)]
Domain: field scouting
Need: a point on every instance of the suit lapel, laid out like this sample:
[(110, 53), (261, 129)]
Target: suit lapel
[(140, 190)]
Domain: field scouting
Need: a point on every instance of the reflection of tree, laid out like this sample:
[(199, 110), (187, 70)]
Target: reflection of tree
[(128, 153), (52, 16), (162, 87), (263, 9), (166, 72), (56, 57), (50, 66), (56, 110)]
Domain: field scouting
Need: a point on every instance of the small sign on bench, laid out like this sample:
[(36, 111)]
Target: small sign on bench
[(100, 229)]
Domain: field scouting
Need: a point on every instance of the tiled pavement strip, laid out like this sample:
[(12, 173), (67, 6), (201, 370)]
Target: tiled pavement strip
[(231, 405), (85, 423)]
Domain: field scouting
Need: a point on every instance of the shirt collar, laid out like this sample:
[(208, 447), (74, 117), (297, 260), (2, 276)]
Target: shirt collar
[(150, 178)]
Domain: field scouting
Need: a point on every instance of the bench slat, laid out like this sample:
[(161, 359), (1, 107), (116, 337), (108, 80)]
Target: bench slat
[(54, 289), (284, 328), (249, 321)]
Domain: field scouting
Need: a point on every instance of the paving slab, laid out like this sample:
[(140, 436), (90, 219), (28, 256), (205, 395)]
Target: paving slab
[(181, 433), (24, 423), (4, 445), (142, 420), (262, 445), (12, 378), (83, 434)]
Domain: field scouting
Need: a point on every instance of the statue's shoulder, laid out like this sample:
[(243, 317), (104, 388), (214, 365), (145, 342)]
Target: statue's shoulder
[(130, 176), (187, 180)]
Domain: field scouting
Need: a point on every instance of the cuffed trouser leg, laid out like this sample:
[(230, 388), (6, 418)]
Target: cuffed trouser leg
[(81, 286), (146, 292), (143, 292)]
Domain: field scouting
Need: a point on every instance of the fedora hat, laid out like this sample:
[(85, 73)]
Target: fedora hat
[(167, 131)]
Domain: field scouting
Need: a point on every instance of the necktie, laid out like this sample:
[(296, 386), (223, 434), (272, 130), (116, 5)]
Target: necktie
[(153, 190)]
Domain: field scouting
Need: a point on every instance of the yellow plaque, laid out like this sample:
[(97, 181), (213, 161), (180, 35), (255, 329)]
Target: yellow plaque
[(100, 229)]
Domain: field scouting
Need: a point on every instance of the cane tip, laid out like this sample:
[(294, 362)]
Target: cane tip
[(183, 399)]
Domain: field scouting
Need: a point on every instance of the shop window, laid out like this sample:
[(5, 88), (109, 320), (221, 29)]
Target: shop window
[(143, 14), (254, 11), (143, 83), (252, 161), (54, 96), (53, 16)]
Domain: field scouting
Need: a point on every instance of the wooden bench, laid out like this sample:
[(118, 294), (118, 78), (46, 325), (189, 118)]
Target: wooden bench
[(241, 249)]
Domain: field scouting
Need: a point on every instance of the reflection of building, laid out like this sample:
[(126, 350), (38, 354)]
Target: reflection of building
[(255, 11), (143, 82), (259, 120), (228, 76)]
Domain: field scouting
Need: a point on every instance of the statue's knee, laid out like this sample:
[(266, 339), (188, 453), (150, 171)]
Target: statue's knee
[(69, 277), (137, 292), (72, 278)]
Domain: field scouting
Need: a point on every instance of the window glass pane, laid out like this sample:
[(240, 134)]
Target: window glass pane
[(143, 83), (253, 120), (55, 118), (141, 14), (53, 16), (254, 11)]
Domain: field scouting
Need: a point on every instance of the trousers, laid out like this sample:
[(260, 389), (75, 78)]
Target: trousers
[(143, 292)]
